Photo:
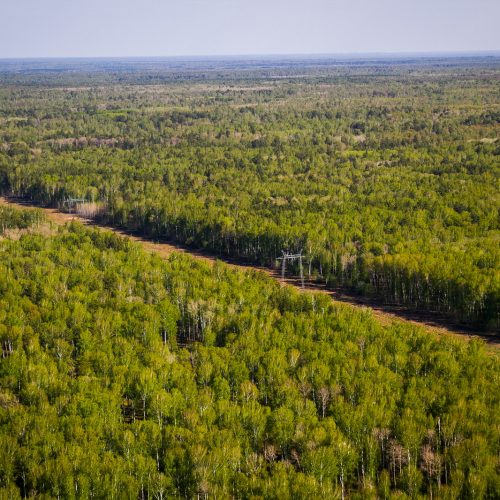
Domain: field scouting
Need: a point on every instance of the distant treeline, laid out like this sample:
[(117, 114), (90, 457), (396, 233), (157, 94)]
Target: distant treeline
[(385, 177)]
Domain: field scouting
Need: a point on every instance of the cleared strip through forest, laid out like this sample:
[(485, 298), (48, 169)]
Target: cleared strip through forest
[(385, 314)]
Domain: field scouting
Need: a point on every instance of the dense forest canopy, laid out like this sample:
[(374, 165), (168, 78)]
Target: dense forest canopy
[(126, 376), (384, 174)]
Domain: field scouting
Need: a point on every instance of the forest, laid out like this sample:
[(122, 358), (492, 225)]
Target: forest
[(386, 178), (127, 376), (124, 374)]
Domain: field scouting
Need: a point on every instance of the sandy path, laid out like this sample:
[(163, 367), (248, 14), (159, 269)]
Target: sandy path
[(435, 324)]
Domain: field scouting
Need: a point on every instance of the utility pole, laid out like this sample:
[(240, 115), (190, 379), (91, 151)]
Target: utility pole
[(291, 257), (71, 203)]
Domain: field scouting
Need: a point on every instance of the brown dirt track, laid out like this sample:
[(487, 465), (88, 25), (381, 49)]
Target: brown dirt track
[(433, 323)]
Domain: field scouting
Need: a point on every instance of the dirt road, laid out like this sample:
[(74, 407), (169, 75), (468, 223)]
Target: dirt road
[(433, 323)]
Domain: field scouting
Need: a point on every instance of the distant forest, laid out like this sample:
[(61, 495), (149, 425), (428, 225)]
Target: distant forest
[(384, 174)]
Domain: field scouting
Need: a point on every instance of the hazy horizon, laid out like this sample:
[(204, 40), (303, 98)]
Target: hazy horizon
[(222, 28), (305, 55)]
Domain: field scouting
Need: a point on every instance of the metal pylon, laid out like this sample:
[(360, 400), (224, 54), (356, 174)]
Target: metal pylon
[(292, 257)]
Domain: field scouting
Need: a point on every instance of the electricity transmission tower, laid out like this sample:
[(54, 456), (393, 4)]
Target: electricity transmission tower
[(71, 203), (291, 257)]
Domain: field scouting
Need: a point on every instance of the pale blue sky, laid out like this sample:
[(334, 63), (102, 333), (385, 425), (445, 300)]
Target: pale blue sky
[(66, 28)]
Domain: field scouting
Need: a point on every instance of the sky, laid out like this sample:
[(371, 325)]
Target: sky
[(130, 28)]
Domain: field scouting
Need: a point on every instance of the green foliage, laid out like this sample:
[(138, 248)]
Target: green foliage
[(126, 376), (387, 179), (277, 394), (12, 218)]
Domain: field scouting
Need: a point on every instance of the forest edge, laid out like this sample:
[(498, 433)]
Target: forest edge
[(385, 314)]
